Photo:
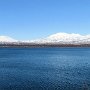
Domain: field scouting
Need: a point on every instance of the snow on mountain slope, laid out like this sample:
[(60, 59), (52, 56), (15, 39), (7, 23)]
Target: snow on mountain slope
[(63, 38), (7, 39)]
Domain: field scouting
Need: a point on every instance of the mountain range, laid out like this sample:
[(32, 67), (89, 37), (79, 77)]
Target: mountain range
[(58, 38)]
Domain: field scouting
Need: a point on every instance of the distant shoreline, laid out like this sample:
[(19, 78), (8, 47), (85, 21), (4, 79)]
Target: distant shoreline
[(44, 45)]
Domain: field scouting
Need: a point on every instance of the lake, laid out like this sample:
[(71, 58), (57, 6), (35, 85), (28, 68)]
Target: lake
[(45, 68)]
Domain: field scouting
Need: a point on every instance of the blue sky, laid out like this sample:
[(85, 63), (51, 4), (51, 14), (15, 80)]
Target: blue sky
[(31, 19)]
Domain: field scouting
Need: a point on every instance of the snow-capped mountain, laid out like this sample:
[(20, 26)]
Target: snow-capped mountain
[(69, 38), (65, 38), (7, 39), (58, 38)]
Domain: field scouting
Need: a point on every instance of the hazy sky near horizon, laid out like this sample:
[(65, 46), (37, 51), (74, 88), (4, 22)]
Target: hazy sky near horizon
[(31, 19)]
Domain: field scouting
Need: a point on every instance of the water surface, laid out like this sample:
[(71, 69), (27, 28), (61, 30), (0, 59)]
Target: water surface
[(44, 68)]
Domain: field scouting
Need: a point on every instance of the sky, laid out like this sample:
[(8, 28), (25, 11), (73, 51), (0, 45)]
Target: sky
[(32, 19)]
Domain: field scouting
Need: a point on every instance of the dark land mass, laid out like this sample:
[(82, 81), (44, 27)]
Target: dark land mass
[(43, 45)]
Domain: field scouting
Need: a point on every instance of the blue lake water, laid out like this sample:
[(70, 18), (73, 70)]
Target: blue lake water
[(44, 68)]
